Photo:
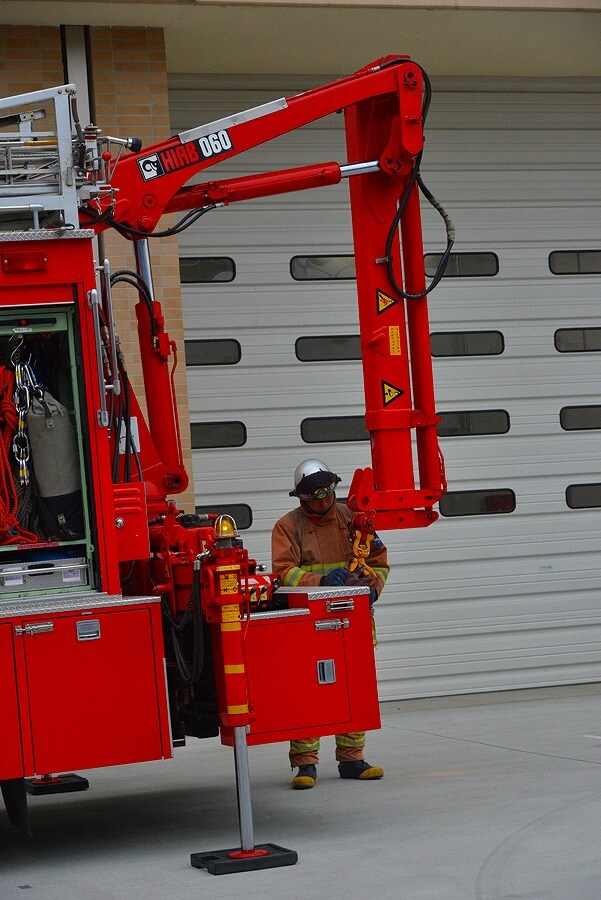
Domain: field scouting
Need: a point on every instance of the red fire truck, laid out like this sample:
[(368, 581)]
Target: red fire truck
[(126, 624)]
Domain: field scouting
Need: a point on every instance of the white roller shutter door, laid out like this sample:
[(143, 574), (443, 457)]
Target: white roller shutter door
[(480, 602)]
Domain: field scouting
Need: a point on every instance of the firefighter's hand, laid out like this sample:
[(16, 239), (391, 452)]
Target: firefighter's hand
[(335, 578), (373, 595)]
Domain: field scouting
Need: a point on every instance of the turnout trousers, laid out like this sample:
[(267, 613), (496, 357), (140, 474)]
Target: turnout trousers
[(305, 751)]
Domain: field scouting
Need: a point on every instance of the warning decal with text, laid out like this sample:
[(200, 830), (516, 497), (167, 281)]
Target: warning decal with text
[(394, 340)]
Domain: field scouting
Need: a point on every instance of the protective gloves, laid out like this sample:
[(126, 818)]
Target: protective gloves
[(335, 578)]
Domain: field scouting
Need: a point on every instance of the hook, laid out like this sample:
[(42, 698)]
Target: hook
[(15, 355)]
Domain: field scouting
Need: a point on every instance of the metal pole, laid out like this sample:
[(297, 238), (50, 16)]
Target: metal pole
[(245, 813), (144, 269), (361, 168)]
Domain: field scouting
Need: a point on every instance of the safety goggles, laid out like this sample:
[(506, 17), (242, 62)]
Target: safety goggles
[(320, 493)]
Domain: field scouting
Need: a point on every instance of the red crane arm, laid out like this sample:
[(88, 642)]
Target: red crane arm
[(383, 106), (147, 181)]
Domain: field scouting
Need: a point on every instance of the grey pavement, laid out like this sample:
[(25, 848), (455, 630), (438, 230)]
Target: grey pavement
[(486, 796)]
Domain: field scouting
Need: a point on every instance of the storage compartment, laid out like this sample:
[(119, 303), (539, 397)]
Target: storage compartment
[(46, 544), (311, 669), (91, 686)]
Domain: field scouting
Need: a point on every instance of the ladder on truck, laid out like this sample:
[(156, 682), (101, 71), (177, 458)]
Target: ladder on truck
[(41, 176)]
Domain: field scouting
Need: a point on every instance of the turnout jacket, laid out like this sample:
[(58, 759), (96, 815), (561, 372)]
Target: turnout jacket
[(304, 547)]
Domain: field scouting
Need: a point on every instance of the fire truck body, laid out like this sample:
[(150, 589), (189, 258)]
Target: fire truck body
[(125, 624)]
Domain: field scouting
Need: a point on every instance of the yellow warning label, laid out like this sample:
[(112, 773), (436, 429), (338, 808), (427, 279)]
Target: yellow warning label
[(394, 338), (384, 301), (228, 584), (230, 613), (390, 392)]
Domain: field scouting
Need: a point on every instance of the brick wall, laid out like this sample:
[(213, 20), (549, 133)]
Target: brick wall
[(30, 59), (130, 91)]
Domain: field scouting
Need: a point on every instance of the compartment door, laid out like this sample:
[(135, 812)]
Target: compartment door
[(11, 757), (93, 693), (298, 679)]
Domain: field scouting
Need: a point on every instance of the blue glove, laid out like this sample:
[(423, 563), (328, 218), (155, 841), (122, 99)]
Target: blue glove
[(335, 578), (373, 596)]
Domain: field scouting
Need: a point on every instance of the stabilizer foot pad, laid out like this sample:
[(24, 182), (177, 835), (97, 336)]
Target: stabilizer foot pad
[(57, 784), (219, 862)]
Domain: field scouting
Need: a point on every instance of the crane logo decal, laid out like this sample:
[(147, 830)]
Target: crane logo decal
[(390, 392), (180, 156)]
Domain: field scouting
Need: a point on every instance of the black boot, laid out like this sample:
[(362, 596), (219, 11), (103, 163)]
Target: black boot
[(305, 778), (359, 769)]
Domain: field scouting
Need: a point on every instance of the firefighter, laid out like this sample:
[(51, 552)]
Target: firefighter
[(311, 547)]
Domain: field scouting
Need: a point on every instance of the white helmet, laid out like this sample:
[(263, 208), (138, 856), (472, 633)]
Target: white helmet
[(310, 475)]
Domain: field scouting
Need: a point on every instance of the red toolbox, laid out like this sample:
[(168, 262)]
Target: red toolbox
[(83, 684), (311, 666)]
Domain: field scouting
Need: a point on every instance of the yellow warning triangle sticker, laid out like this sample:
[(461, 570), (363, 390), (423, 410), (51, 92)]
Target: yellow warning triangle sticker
[(384, 301), (390, 392)]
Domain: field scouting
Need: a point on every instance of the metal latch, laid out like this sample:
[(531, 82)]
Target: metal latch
[(335, 605), (331, 624), (38, 628)]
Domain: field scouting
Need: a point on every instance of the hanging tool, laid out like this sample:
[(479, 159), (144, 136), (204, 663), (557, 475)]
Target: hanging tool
[(362, 533)]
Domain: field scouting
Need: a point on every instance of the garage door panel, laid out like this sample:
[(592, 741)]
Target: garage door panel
[(259, 308), (458, 304), (476, 602)]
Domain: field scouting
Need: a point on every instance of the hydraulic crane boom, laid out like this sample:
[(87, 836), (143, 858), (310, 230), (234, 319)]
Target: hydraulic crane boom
[(147, 181), (383, 106)]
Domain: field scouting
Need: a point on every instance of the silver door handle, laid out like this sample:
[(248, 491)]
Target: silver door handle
[(335, 605)]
